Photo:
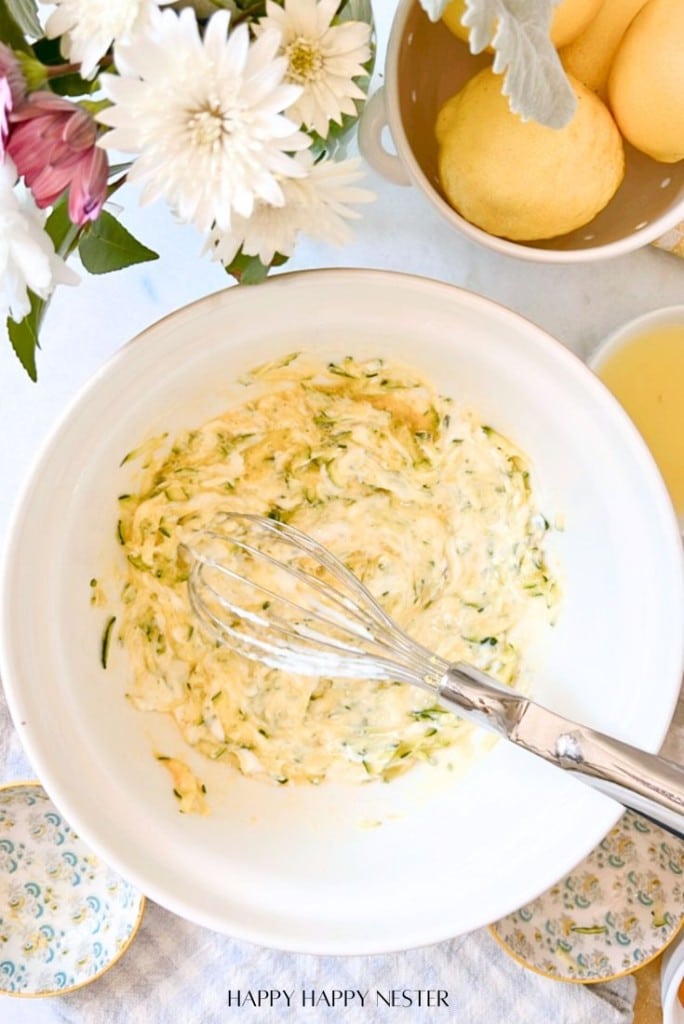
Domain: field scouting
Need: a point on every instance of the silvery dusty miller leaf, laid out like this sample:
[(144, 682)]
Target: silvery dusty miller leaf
[(519, 31), (434, 8), (25, 13)]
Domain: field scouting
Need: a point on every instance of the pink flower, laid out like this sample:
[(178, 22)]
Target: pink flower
[(52, 142), (12, 90)]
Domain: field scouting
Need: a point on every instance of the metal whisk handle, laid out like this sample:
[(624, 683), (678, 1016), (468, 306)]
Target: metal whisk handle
[(643, 782)]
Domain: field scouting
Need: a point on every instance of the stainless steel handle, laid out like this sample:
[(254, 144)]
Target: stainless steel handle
[(646, 783)]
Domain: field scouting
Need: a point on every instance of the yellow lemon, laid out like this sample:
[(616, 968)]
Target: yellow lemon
[(589, 56), (570, 17), (519, 179), (646, 83)]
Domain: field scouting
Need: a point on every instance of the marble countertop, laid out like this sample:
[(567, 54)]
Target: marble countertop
[(578, 304)]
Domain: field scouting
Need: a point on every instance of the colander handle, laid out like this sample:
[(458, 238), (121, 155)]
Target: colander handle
[(372, 124), (643, 782)]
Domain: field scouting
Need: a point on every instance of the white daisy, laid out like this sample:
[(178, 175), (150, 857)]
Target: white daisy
[(323, 58), (204, 116), (27, 256), (89, 27), (315, 205)]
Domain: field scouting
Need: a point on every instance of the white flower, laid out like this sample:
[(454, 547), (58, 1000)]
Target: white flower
[(321, 57), (27, 256), (314, 205), (204, 116), (89, 27)]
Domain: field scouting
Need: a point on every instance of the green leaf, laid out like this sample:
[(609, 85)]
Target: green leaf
[(250, 269), (10, 31), (256, 8), (47, 50), (73, 85), (226, 5), (106, 245), (23, 335), (94, 107), (25, 13), (356, 10), (121, 168)]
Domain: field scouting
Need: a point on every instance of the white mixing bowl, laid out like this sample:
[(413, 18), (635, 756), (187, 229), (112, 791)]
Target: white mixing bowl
[(301, 868)]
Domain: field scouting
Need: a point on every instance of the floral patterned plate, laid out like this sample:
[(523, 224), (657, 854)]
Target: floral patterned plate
[(616, 911), (65, 917)]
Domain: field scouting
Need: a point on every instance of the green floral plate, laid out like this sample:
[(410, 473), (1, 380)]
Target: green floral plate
[(65, 917), (619, 908)]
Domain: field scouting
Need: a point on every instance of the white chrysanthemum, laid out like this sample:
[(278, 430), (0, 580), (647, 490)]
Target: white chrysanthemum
[(27, 255), (323, 58), (315, 205), (204, 116), (89, 27)]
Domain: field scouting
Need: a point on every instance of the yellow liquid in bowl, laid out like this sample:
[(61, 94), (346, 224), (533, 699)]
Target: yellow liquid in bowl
[(646, 375)]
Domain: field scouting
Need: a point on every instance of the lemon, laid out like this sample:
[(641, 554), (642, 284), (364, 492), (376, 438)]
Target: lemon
[(519, 179), (646, 83), (570, 17), (589, 56)]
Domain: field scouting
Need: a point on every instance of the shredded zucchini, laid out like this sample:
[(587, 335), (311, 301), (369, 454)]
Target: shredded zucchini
[(106, 640), (431, 509)]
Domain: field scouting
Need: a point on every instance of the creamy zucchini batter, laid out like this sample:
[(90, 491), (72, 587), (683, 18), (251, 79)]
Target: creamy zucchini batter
[(430, 508)]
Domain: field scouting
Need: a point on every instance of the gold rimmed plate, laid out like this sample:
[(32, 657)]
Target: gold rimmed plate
[(619, 908), (65, 916)]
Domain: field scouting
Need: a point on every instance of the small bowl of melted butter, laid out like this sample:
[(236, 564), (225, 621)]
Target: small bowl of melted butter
[(642, 363)]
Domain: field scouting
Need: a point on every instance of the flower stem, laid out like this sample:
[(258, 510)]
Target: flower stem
[(64, 249), (60, 70), (72, 68), (248, 12)]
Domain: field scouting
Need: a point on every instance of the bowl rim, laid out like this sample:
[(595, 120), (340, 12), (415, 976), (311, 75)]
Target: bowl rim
[(619, 247), (661, 316)]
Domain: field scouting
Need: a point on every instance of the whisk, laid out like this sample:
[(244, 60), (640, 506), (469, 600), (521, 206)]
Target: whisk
[(277, 596)]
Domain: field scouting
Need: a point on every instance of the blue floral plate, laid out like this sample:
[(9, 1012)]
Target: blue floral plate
[(65, 917), (619, 908)]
